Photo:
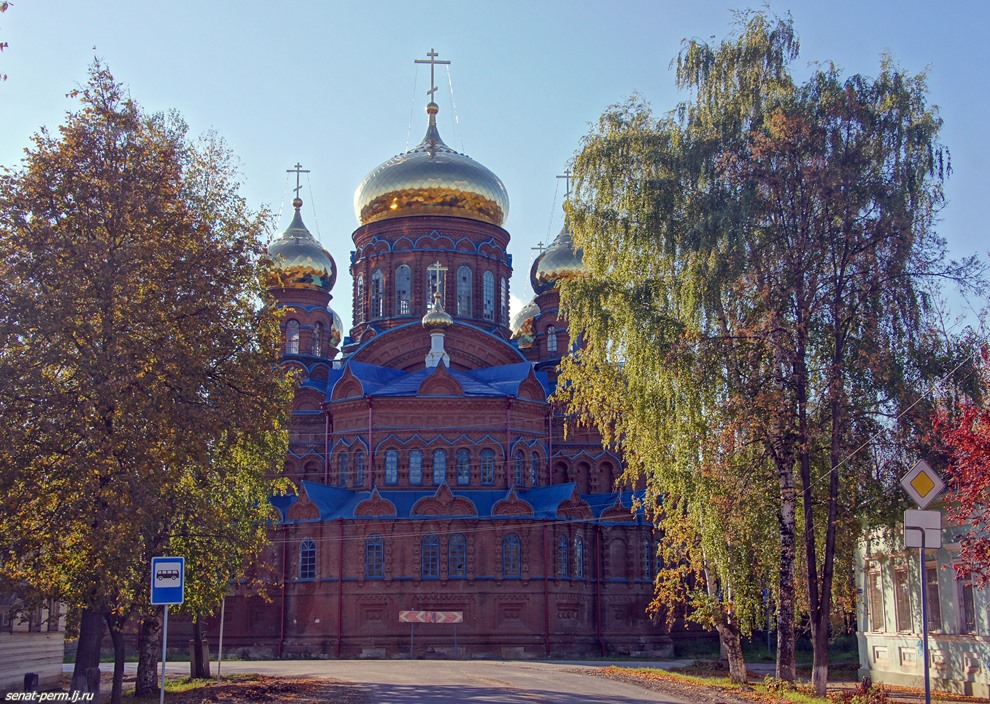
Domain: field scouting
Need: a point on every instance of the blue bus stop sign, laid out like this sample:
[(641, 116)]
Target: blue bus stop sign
[(168, 580)]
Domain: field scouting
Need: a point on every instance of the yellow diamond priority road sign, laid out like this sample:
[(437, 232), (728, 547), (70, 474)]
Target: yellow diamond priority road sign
[(922, 484)]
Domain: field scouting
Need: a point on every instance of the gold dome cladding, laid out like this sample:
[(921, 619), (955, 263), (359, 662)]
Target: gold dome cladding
[(431, 179), (298, 259), (560, 261)]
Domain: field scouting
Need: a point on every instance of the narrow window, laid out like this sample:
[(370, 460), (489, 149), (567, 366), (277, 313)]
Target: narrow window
[(875, 597), (457, 557), (647, 561), (505, 302), (551, 339), (344, 469), (518, 468), (934, 605), (392, 467), (463, 467), (464, 291), (563, 553), (292, 337), (377, 294), (511, 558), (317, 346), (439, 467), (374, 557), (487, 466), (534, 470), (403, 290), (489, 286), (579, 557), (430, 567), (416, 467), (902, 599), (967, 607), (359, 299), (307, 559), (358, 469)]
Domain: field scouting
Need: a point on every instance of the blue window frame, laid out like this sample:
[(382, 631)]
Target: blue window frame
[(358, 469), (518, 464), (647, 561), (463, 467), (487, 466), (579, 557), (391, 466), (307, 559), (374, 557), (457, 557), (416, 467), (563, 554), (292, 337), (430, 558), (439, 467), (511, 556)]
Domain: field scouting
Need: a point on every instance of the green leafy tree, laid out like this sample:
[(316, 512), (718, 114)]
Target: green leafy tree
[(759, 265), (137, 372)]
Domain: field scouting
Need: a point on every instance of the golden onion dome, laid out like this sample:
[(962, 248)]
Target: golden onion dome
[(437, 318), (523, 323), (299, 260), (431, 179), (336, 328), (560, 261)]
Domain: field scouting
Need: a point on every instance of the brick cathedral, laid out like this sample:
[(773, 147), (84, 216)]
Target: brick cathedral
[(432, 468)]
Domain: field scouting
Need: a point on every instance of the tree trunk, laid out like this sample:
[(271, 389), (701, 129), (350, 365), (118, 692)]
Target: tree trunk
[(199, 665), (731, 642), (117, 636), (91, 627), (149, 649), (786, 640)]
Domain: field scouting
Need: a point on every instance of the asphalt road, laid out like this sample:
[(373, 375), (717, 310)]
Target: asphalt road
[(458, 681)]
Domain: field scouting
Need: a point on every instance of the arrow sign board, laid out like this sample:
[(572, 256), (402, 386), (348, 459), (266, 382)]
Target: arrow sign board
[(168, 580), (431, 616), (922, 484), (918, 522)]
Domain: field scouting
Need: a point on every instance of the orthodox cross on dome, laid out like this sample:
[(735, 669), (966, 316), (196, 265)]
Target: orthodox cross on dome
[(567, 181), (432, 61), (540, 247), (298, 170), (437, 270)]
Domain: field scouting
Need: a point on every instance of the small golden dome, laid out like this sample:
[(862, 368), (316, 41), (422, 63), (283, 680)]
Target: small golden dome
[(560, 261), (431, 179), (336, 328), (299, 260), (522, 325), (437, 318)]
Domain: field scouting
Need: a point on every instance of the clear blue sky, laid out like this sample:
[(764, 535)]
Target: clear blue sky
[(333, 85)]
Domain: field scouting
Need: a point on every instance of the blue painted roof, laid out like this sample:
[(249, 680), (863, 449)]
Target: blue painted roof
[(334, 502), (485, 382)]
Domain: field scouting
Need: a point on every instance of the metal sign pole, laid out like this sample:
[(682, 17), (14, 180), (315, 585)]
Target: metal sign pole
[(924, 618), (223, 606), (161, 698)]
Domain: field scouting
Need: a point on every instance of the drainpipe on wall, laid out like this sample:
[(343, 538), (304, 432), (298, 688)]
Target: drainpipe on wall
[(508, 469), (546, 590), (325, 407), (371, 443), (340, 584), (285, 579), (549, 444), (598, 590)]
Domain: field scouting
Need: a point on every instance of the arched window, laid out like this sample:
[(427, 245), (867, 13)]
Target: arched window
[(463, 466), (511, 557), (344, 469), (307, 559), (551, 338), (439, 467), (430, 566), (391, 466), (534, 470), (457, 557), (505, 302), (374, 557), (487, 466), (434, 281), (647, 561), (657, 561), (358, 468), (377, 294), (317, 347), (563, 553), (292, 337), (464, 281), (489, 290), (416, 467), (579, 557), (359, 299), (403, 290), (518, 465)]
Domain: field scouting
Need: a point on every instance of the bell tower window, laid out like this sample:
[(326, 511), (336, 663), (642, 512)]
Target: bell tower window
[(464, 280), (292, 337), (317, 346), (403, 290), (377, 294), (489, 286)]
